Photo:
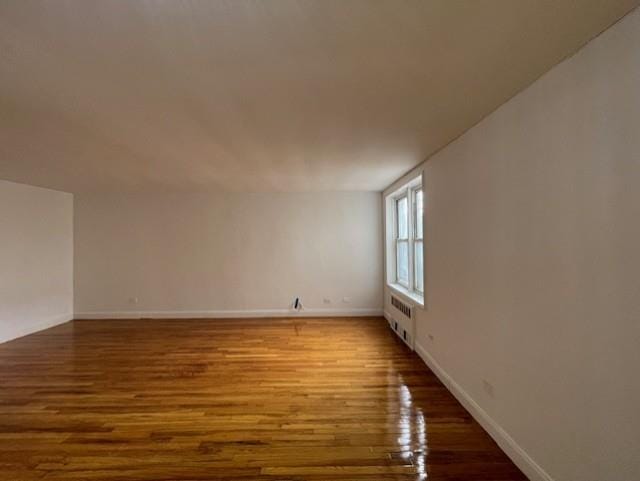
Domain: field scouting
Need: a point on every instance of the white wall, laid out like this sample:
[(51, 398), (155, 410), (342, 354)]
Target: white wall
[(227, 254), (36, 259), (533, 266)]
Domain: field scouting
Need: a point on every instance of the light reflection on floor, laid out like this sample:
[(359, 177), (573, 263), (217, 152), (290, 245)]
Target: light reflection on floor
[(412, 439)]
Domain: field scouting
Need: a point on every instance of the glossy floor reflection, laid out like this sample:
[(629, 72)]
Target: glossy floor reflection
[(268, 399)]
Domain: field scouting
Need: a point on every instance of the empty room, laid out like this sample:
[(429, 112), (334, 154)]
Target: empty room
[(319, 240)]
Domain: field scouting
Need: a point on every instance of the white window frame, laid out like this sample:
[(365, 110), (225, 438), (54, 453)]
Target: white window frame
[(409, 289), (398, 240), (414, 238)]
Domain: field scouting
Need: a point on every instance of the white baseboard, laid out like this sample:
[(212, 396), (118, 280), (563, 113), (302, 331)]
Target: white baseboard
[(224, 314), (22, 331), (518, 455)]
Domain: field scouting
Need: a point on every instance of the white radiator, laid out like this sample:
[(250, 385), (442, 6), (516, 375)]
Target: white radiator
[(401, 320)]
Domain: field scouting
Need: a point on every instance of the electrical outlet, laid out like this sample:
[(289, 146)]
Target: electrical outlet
[(326, 300), (488, 387)]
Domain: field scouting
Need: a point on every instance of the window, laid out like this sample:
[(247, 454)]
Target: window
[(402, 242), (418, 263), (405, 240)]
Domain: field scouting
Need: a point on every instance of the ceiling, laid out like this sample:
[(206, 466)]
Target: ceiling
[(273, 95)]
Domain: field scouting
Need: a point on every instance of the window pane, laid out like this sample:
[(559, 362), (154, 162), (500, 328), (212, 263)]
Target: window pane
[(419, 209), (402, 262), (419, 266), (401, 210)]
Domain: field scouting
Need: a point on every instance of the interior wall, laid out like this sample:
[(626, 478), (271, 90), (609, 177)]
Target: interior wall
[(227, 254), (36, 259), (533, 262)]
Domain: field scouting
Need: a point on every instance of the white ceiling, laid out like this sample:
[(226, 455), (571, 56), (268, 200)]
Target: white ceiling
[(273, 95)]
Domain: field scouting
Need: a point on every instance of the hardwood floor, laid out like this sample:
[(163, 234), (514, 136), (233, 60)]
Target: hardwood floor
[(268, 399)]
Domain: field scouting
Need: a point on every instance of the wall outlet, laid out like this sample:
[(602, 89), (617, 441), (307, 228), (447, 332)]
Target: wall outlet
[(488, 387), (326, 300)]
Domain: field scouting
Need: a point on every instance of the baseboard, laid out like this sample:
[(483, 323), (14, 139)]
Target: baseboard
[(227, 314), (528, 466), (39, 326)]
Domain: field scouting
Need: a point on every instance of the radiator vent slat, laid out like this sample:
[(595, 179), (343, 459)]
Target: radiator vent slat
[(401, 306)]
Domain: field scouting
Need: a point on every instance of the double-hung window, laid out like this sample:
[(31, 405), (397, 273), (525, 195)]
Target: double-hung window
[(405, 240), (402, 241), (418, 241)]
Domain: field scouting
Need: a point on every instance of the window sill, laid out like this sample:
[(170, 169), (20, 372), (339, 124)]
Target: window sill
[(408, 296)]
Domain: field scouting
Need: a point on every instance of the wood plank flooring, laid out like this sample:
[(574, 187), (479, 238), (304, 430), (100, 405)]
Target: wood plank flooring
[(262, 399)]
